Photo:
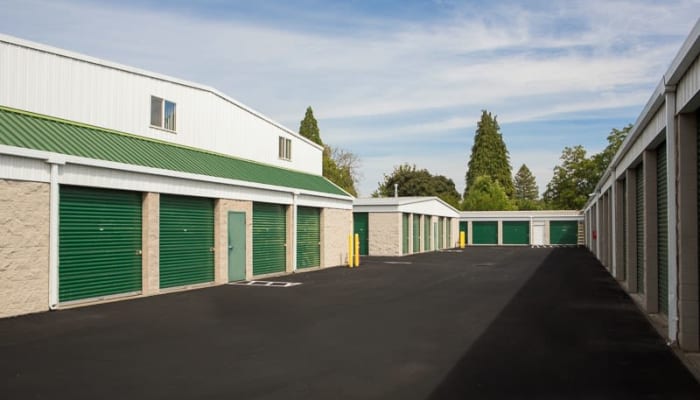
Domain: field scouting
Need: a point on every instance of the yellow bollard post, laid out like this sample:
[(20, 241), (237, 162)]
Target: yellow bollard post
[(350, 250), (357, 250), (462, 240)]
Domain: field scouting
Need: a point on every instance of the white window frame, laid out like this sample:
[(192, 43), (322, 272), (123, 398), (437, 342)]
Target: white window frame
[(284, 148), (163, 123)]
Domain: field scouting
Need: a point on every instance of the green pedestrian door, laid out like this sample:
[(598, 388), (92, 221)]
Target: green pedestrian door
[(662, 228), (485, 232), (186, 240), (99, 243), (236, 246), (269, 238), (404, 234), (416, 233), (308, 237), (516, 232), (563, 232), (361, 227)]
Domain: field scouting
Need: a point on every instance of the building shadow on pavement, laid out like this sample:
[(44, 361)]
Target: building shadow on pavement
[(570, 332)]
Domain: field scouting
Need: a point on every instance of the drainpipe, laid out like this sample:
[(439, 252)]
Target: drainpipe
[(295, 198), (53, 232), (671, 212)]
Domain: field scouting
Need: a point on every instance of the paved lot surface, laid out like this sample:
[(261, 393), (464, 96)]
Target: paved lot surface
[(488, 323)]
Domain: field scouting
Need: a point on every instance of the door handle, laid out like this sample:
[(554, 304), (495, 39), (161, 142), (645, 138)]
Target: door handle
[(230, 247)]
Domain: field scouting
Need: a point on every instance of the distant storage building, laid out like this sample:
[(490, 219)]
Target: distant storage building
[(535, 228), (397, 226), (642, 220), (118, 182)]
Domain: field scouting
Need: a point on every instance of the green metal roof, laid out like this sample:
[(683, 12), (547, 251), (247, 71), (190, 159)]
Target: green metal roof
[(39, 132)]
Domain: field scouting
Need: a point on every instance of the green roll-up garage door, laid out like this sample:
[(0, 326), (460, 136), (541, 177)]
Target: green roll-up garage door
[(426, 230), (99, 243), (308, 237), (485, 232), (416, 233), (516, 232), (269, 238), (639, 214), (563, 232), (662, 227), (404, 233), (186, 240), (441, 234), (361, 227)]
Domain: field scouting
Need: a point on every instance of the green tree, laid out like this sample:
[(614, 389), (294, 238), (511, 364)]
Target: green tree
[(576, 177), (526, 192), (308, 127), (418, 182), (341, 167), (615, 138), (489, 156), (487, 194), (573, 180)]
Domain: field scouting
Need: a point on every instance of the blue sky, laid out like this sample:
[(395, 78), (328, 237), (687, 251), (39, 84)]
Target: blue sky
[(395, 81)]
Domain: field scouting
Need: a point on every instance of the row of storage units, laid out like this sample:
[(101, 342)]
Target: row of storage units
[(86, 231), (643, 220), (535, 228), (397, 226), (100, 242)]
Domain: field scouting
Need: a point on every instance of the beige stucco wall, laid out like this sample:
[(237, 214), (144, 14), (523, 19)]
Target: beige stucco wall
[(221, 210), (336, 226), (384, 234), (151, 243), (24, 253)]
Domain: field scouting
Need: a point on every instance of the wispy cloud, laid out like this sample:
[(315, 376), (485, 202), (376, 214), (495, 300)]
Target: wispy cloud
[(384, 86)]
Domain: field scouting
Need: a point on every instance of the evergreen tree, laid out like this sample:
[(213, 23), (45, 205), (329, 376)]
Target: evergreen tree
[(487, 194), (489, 156), (339, 166), (526, 190), (308, 127)]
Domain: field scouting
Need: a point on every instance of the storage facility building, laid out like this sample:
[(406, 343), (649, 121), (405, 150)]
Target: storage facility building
[(397, 226), (118, 182), (642, 220), (536, 228)]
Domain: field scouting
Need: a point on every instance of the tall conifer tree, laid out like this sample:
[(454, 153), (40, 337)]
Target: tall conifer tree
[(308, 127), (489, 155)]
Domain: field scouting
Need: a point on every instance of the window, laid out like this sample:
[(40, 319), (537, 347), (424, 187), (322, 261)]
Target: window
[(285, 148), (162, 113)]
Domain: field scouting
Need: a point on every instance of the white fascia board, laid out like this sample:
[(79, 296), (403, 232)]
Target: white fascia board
[(89, 162), (11, 40), (520, 214), (652, 106), (685, 57)]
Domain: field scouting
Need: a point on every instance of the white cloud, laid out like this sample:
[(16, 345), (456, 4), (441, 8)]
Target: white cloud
[(521, 62)]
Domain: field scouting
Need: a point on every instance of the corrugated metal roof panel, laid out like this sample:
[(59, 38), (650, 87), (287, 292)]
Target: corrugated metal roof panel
[(38, 132)]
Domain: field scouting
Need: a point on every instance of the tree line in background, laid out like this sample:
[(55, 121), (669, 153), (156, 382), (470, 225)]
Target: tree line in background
[(490, 183)]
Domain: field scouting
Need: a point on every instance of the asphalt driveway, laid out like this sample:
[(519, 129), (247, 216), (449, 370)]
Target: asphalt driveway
[(486, 323)]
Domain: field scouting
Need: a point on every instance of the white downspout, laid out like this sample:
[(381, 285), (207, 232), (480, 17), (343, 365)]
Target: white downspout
[(53, 232), (671, 212), (295, 197)]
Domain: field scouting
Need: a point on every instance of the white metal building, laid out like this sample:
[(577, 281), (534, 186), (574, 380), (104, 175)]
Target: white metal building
[(536, 228), (642, 220), (395, 226), (117, 182)]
